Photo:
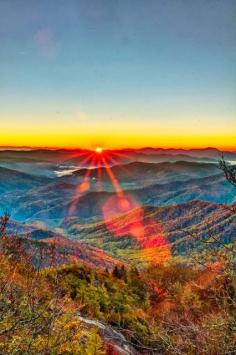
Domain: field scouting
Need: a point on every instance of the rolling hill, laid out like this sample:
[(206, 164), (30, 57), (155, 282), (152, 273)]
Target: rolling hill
[(49, 246), (12, 180), (141, 174), (57, 201), (164, 231)]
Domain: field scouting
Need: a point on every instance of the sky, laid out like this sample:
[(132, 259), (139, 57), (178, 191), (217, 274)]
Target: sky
[(118, 73)]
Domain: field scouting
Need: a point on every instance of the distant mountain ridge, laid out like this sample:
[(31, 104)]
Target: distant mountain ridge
[(62, 152), (13, 179), (51, 203), (58, 162), (135, 175)]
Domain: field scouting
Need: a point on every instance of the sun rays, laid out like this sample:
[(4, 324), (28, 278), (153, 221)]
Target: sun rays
[(122, 213)]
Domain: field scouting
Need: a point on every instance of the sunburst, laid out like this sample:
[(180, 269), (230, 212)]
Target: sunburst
[(120, 203)]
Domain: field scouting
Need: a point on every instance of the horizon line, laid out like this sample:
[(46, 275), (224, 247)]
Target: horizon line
[(30, 147)]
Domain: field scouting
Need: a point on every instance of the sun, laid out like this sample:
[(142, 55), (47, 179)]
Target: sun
[(99, 150)]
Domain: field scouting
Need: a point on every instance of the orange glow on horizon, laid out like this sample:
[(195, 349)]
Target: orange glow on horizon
[(118, 140)]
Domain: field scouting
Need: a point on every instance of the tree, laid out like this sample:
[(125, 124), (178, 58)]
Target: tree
[(120, 272), (3, 223), (229, 171), (94, 344), (35, 316)]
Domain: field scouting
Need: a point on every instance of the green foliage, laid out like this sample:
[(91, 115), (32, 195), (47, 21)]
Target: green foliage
[(94, 345)]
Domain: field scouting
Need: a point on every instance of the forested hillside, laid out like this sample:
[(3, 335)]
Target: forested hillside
[(183, 307)]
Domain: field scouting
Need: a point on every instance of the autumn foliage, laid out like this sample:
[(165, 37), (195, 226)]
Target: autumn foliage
[(177, 307)]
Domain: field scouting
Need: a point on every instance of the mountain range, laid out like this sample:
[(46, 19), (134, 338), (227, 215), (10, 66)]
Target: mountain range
[(168, 201)]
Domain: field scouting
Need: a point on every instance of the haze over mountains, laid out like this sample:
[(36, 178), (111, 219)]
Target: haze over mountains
[(47, 161), (178, 188)]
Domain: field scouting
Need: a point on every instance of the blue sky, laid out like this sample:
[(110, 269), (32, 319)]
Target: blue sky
[(99, 67)]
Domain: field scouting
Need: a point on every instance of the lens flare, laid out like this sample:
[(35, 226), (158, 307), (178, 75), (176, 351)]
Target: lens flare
[(122, 213)]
